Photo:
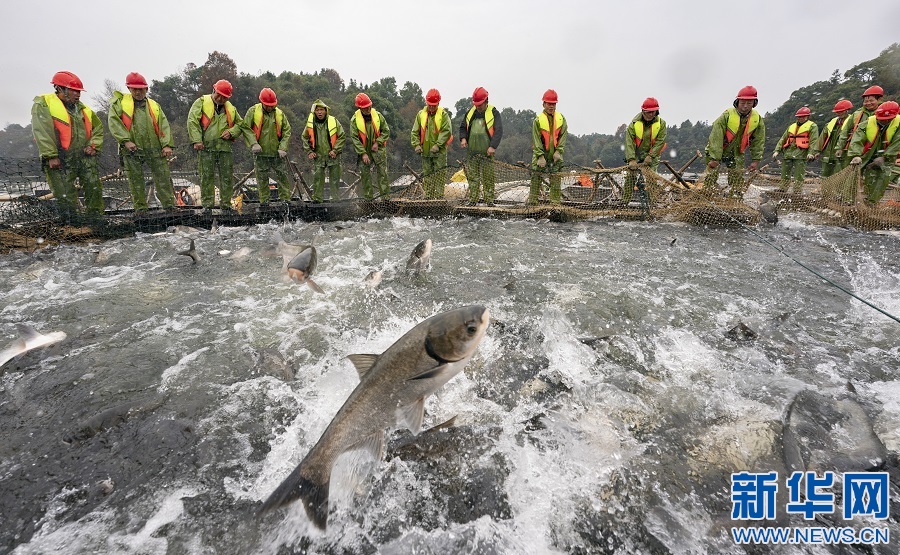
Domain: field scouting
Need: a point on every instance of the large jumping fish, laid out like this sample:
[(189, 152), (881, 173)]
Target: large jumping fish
[(393, 386), (420, 258)]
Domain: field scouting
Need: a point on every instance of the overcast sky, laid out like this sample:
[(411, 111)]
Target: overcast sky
[(603, 58)]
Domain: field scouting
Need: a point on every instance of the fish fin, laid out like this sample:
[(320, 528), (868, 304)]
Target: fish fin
[(314, 286), (26, 332), (446, 424), (413, 415), (363, 363), (374, 445), (434, 372), (297, 486)]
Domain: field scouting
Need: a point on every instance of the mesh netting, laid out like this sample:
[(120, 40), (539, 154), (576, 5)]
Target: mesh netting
[(477, 187)]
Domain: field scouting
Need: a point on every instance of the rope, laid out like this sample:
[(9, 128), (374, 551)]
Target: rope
[(804, 266)]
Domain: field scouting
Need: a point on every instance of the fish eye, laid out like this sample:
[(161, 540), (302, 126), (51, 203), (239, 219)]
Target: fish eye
[(472, 329)]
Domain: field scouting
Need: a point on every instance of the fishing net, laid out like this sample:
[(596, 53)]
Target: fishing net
[(478, 187)]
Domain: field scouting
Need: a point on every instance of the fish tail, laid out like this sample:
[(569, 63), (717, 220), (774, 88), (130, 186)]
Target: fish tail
[(312, 492)]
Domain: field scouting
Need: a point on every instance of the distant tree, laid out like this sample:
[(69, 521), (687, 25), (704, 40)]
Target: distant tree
[(218, 66)]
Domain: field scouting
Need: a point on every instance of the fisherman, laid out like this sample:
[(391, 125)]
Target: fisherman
[(430, 136), (142, 130), (324, 142), (268, 139), (369, 133), (875, 146), (69, 137), (548, 138), (645, 139), (213, 123), (737, 129), (871, 99), (798, 142), (480, 133), (828, 139)]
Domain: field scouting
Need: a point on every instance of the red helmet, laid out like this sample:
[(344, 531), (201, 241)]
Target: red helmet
[(135, 80), (804, 111), (267, 97), (68, 80), (433, 97), (887, 111), (479, 96), (223, 87), (874, 90), (747, 93), (550, 96), (363, 100), (842, 104), (650, 105)]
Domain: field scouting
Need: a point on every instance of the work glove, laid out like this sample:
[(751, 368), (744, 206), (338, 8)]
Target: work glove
[(878, 162), (713, 164), (256, 149), (167, 151), (54, 163), (130, 146), (856, 161), (557, 156), (774, 156), (753, 165), (632, 164), (810, 157), (198, 146), (838, 153), (282, 153), (90, 150), (375, 147), (648, 159), (419, 149), (435, 149), (541, 162), (366, 160)]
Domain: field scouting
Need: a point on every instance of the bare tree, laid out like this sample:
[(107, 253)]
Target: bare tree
[(102, 99)]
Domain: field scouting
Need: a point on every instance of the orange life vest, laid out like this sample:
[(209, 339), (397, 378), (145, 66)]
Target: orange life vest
[(798, 135), (361, 125), (311, 131), (856, 117), (488, 119), (209, 112), (423, 124), (63, 123), (734, 122), (872, 129), (549, 133), (256, 125), (128, 113)]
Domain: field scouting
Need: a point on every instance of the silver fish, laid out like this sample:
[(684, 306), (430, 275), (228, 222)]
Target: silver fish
[(420, 259), (392, 387)]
